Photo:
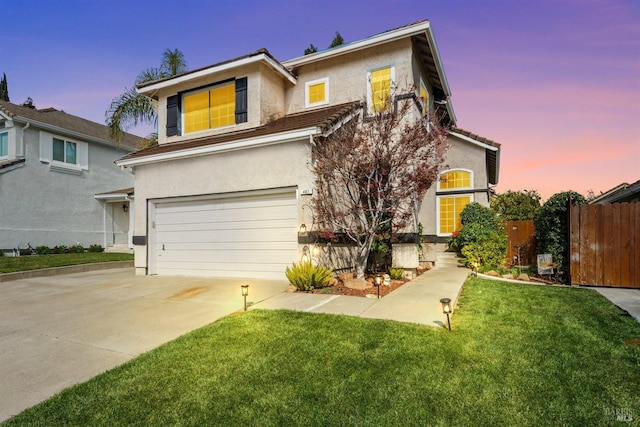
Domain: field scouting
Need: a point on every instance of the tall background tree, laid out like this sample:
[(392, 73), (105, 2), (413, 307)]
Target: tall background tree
[(4, 89), (551, 229), (516, 205), (131, 108), (373, 173)]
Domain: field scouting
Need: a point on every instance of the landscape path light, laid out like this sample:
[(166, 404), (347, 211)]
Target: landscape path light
[(378, 282), (245, 292), (446, 309)]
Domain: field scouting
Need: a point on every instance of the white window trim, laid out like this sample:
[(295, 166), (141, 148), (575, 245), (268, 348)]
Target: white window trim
[(426, 89), (324, 80), (438, 199), (46, 154), (5, 157), (369, 92), (471, 178), (193, 92)]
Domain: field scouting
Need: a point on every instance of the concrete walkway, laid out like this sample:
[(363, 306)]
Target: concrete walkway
[(627, 299), (418, 301)]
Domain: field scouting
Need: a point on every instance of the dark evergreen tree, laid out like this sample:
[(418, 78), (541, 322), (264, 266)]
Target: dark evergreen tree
[(310, 49), (4, 90), (337, 40)]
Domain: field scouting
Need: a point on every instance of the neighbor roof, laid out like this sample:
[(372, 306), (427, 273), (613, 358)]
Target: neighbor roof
[(620, 193), (66, 124)]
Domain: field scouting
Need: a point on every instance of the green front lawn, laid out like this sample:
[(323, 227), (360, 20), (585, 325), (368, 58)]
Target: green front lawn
[(520, 355), (34, 262)]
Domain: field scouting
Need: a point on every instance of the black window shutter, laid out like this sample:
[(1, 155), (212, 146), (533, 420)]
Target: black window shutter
[(172, 115), (241, 100)]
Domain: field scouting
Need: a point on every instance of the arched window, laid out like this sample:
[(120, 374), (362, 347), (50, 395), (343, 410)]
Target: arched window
[(450, 205)]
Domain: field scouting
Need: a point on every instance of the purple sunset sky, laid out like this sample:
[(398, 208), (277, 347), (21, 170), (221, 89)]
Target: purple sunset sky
[(557, 83)]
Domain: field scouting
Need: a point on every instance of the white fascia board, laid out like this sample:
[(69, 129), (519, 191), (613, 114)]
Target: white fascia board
[(474, 141), (361, 44), (149, 90), (115, 197), (223, 147)]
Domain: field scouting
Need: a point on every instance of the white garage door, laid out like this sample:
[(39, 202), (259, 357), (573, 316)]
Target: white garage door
[(244, 236)]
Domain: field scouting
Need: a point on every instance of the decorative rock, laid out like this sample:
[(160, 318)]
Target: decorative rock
[(358, 284), (492, 273), (524, 276), (291, 288)]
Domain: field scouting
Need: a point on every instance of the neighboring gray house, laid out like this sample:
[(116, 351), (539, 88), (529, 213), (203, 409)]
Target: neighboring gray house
[(227, 189), (619, 194), (52, 166)]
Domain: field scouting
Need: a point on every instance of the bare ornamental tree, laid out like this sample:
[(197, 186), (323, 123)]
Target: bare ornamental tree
[(374, 170)]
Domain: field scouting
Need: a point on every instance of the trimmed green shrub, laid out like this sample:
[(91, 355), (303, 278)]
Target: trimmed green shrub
[(475, 213), (551, 230), (396, 273), (306, 276), (487, 249), (95, 248), (43, 250), (76, 249), (482, 241), (60, 249)]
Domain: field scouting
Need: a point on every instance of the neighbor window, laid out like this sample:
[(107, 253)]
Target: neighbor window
[(64, 151), (379, 93), (211, 108), (4, 144), (316, 93), (451, 205)]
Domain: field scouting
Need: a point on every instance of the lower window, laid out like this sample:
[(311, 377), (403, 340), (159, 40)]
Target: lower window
[(450, 208)]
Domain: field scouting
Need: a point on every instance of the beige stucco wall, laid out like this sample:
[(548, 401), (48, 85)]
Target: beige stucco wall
[(274, 166), (348, 73), (461, 155), (264, 88)]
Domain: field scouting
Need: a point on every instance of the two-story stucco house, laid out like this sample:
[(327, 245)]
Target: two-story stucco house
[(228, 187), (53, 168)]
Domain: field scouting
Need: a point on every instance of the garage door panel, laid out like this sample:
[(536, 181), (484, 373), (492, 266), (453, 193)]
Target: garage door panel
[(224, 216), (284, 223), (228, 246), (275, 235), (239, 237), (259, 270), (223, 256)]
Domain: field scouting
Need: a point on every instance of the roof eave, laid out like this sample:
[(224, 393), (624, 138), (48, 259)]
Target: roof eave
[(221, 147), (152, 89)]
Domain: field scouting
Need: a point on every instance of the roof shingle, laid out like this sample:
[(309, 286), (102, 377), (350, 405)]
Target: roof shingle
[(62, 120)]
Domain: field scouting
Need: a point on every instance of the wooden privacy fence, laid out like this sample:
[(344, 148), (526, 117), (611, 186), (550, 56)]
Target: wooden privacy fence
[(605, 244), (521, 236)]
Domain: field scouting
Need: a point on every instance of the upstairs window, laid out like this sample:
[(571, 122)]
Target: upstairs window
[(4, 144), (210, 109), (219, 105), (316, 93), (379, 93), (424, 95), (65, 151), (62, 154)]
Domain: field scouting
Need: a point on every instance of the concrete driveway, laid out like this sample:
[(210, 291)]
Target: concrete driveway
[(63, 330)]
